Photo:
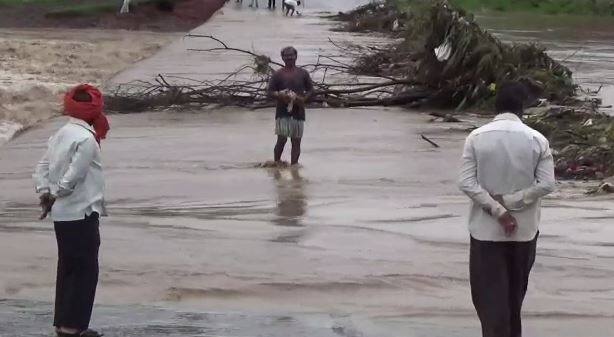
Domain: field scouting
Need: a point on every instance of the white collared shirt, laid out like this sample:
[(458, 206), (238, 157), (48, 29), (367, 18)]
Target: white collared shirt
[(71, 170), (506, 157)]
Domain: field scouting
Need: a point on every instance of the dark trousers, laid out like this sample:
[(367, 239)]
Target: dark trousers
[(272, 3), (78, 243), (499, 274)]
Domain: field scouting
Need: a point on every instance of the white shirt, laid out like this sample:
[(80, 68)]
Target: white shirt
[(508, 158), (71, 170)]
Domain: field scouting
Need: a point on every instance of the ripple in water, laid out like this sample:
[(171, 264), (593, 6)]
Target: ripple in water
[(8, 129)]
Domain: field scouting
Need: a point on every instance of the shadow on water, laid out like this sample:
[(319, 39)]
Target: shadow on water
[(291, 203)]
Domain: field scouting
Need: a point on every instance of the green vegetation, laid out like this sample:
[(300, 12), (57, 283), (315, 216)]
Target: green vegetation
[(73, 8), (85, 9), (7, 3), (443, 48), (573, 7)]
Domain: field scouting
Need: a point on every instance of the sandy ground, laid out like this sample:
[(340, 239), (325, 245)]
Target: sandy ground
[(37, 66), (367, 239)]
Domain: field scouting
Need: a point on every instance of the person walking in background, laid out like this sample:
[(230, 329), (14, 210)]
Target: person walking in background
[(507, 167), (70, 180)]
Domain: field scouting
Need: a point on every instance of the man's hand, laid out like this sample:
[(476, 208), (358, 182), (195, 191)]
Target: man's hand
[(283, 96), (499, 199), (300, 100), (508, 222), (46, 202)]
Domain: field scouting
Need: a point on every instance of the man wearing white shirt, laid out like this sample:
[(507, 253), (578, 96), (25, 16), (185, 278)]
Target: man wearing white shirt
[(69, 178), (507, 167), (291, 6)]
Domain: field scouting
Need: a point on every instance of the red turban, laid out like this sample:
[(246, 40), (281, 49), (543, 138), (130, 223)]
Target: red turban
[(90, 112)]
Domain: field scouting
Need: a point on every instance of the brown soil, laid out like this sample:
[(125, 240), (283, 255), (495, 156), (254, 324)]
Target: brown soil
[(188, 14)]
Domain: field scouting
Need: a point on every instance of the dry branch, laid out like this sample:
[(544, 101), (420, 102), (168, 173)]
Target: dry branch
[(247, 86)]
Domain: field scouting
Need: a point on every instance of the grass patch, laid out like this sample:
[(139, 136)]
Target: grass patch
[(94, 8), (16, 3), (555, 7), (72, 8), (82, 10)]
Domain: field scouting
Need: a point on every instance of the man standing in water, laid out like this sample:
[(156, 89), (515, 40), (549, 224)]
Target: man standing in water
[(69, 178), (507, 168), (291, 86)]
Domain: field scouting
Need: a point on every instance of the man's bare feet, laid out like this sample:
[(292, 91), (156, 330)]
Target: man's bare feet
[(66, 330)]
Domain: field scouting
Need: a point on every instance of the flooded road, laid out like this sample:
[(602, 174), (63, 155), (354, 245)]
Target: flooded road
[(260, 30), (367, 238)]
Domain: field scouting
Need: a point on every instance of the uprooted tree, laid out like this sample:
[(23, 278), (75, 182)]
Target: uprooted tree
[(444, 59), (444, 49)]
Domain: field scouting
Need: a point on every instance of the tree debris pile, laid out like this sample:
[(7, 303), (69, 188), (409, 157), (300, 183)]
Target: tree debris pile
[(445, 50), (372, 17), (582, 139)]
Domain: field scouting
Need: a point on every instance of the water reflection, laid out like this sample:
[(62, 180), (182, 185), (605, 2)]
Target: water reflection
[(291, 202)]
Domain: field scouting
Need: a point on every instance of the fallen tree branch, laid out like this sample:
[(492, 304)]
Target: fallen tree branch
[(429, 141), (334, 83)]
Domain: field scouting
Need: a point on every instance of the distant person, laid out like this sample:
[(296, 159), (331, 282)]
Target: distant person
[(271, 4), (70, 180), (507, 168), (291, 86), (125, 9), (291, 5)]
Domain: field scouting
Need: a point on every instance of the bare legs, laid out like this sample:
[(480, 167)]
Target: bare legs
[(279, 149)]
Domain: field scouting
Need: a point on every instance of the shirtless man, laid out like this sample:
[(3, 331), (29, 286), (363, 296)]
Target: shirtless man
[(291, 86)]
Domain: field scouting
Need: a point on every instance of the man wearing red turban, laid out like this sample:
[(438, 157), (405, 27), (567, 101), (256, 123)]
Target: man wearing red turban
[(70, 180)]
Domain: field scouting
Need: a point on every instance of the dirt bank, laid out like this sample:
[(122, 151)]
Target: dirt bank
[(187, 14)]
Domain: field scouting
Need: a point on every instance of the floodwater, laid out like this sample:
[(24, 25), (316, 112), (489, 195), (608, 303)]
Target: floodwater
[(367, 238), (37, 66), (584, 44)]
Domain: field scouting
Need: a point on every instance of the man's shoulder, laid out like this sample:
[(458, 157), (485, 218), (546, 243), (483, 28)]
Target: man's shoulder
[(490, 126), (537, 135), (520, 129), (305, 72), (276, 73), (76, 133), (502, 125)]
